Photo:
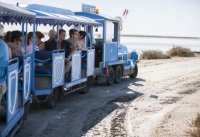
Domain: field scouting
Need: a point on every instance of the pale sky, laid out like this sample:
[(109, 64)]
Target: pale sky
[(151, 17)]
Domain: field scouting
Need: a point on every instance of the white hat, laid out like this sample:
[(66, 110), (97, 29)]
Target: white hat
[(1, 30)]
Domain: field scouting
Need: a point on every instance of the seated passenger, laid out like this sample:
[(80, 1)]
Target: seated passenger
[(7, 39), (16, 44), (38, 41), (81, 41), (69, 49), (51, 44), (30, 45), (73, 33), (3, 62), (9, 53)]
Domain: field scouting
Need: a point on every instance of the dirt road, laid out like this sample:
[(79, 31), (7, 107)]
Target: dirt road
[(162, 101)]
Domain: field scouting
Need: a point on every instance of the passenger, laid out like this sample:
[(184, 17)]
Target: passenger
[(3, 62), (30, 44), (73, 33), (69, 49), (9, 53), (51, 44), (62, 35), (52, 34), (81, 41), (16, 44), (7, 39), (39, 42)]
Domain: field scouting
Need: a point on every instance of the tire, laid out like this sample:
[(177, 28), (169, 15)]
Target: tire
[(52, 99), (118, 74), (26, 109), (111, 76), (88, 84), (17, 128), (61, 93), (85, 90), (134, 74)]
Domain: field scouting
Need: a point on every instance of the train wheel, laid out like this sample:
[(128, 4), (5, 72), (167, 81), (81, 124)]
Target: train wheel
[(26, 109), (61, 93), (89, 83), (118, 74), (52, 99), (134, 74), (111, 76), (17, 128), (85, 89)]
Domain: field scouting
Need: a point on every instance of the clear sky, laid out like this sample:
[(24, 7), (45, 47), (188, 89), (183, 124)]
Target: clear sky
[(151, 17)]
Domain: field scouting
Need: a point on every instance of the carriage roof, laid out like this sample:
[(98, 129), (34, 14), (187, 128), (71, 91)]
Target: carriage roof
[(14, 14), (54, 16), (97, 16)]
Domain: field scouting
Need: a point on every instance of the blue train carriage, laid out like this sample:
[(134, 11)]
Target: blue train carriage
[(111, 57), (49, 81), (18, 75)]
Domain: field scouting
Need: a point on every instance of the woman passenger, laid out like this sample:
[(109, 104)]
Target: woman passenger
[(30, 44), (16, 44), (3, 62), (7, 39), (39, 43), (81, 40)]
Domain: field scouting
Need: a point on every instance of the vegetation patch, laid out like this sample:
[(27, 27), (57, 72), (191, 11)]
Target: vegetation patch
[(154, 54), (196, 124), (180, 52)]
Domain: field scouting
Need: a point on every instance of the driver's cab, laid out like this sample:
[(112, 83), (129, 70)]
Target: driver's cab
[(106, 37)]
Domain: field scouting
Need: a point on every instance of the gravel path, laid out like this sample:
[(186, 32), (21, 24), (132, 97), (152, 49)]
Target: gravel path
[(142, 107)]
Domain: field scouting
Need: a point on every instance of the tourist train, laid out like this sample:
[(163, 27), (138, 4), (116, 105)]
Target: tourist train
[(45, 71)]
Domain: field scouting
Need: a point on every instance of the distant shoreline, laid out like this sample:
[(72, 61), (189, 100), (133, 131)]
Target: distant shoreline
[(157, 36)]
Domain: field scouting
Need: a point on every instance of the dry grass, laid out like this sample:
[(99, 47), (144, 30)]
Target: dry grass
[(180, 52), (196, 54), (154, 54), (196, 131)]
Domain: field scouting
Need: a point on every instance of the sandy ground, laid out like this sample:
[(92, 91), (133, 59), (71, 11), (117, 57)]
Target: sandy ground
[(161, 102)]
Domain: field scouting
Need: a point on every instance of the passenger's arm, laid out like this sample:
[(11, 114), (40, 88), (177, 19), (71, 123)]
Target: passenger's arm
[(9, 53), (73, 51), (83, 48), (42, 47)]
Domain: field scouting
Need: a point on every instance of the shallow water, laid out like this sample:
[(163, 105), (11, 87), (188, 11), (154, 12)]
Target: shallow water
[(163, 44)]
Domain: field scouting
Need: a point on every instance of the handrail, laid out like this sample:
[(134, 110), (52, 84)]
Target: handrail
[(27, 55), (83, 55), (20, 69), (43, 61), (58, 51), (68, 58), (15, 60)]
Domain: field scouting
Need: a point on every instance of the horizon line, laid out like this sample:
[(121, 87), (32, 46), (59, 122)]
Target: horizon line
[(159, 36)]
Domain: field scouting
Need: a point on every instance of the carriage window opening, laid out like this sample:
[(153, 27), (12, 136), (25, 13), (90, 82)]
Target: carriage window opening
[(109, 31)]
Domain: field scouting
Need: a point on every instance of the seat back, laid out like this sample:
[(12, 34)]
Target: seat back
[(76, 66), (12, 90)]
